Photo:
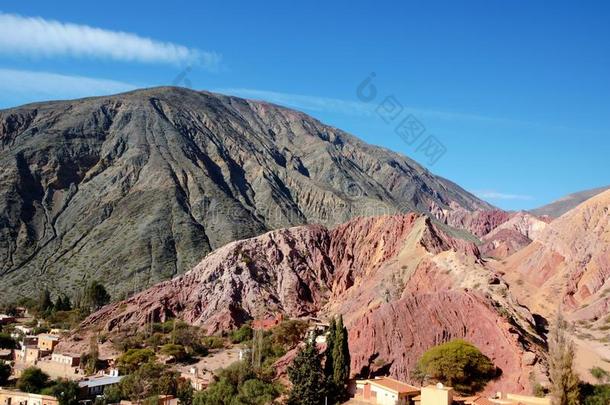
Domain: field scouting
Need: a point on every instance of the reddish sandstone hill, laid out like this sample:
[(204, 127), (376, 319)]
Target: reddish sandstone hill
[(512, 235), (568, 263), (403, 284)]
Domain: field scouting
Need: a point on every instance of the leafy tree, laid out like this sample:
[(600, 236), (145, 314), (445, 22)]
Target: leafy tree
[(132, 359), (65, 391), (307, 377), (44, 303), (176, 351), (595, 394), (255, 392), (113, 394), (241, 335), (564, 380), (238, 385), (289, 333), (95, 296), (5, 373), (33, 380), (218, 393), (63, 303), (458, 364), (184, 391), (150, 379), (7, 342)]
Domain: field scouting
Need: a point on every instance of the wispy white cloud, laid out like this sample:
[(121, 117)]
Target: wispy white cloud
[(335, 105), (24, 85), (38, 37), (303, 102), (494, 195)]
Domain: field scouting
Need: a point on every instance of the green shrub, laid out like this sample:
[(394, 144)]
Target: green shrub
[(241, 335), (458, 364)]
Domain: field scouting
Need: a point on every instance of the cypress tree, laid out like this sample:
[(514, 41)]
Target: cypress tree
[(330, 341), (341, 359), (564, 380), (307, 377), (45, 302)]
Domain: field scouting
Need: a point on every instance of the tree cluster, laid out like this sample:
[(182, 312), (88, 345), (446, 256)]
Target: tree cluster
[(312, 382)]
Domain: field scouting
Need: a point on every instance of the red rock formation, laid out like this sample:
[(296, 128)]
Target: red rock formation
[(568, 262), (399, 282), (394, 336)]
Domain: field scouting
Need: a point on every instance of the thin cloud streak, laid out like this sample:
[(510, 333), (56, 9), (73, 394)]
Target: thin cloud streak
[(494, 195), (35, 86), (326, 104), (304, 102), (38, 37)]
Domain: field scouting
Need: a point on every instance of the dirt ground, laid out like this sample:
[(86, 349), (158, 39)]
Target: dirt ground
[(217, 359), (54, 370)]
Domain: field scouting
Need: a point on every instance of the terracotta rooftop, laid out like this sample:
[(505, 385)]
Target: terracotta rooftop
[(394, 385)]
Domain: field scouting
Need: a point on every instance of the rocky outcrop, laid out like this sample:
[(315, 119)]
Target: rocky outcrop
[(392, 338), (512, 235), (569, 262), (403, 283), (136, 188)]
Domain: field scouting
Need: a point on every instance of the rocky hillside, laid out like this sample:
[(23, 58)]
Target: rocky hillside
[(135, 188), (403, 283), (565, 204), (569, 261)]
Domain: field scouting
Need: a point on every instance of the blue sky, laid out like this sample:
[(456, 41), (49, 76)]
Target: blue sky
[(517, 92)]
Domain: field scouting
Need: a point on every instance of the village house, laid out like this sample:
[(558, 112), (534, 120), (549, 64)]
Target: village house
[(386, 391), (47, 342), (22, 330), (198, 382), (30, 354), (94, 386), (70, 360), (6, 354), (441, 395), (14, 397), (7, 319)]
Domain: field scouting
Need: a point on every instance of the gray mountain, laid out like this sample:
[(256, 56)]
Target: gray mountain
[(134, 188), (565, 204)]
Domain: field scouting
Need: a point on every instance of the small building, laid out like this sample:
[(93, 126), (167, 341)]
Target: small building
[(14, 397), (435, 395), (70, 360), (94, 386), (30, 354), (47, 342), (22, 330), (441, 395), (198, 381), (7, 319), (6, 354), (386, 391)]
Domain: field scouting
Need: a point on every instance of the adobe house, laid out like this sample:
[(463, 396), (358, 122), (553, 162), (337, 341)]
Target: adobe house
[(67, 359), (47, 342), (386, 391), (441, 395), (14, 397)]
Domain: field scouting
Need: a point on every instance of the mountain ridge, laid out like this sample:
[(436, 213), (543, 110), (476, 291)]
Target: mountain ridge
[(135, 188)]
